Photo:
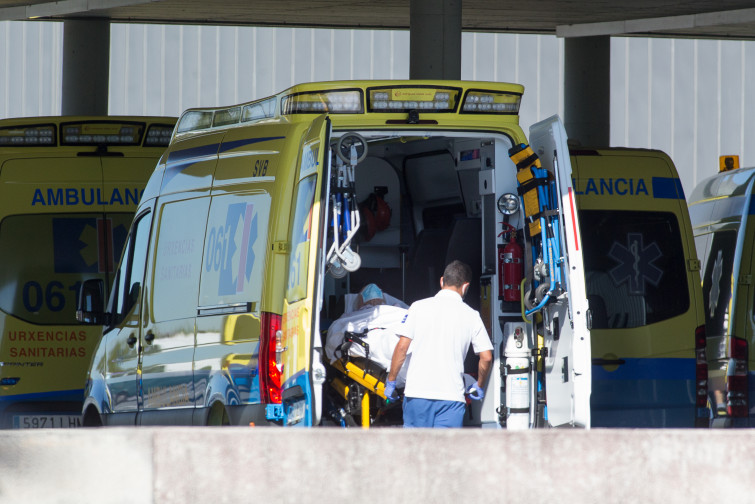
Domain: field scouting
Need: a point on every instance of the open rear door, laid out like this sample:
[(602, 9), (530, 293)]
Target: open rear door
[(566, 335), (302, 371)]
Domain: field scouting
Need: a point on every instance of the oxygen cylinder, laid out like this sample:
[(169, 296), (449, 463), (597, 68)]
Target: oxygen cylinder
[(518, 372)]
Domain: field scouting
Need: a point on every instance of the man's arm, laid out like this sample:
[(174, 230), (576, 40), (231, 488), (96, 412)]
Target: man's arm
[(399, 356), (483, 368)]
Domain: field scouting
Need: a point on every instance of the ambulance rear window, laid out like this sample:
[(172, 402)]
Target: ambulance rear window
[(635, 267), (45, 258), (717, 251)]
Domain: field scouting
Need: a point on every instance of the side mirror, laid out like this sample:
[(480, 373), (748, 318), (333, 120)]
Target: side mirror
[(90, 307)]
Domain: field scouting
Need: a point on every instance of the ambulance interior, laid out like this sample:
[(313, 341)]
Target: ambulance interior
[(425, 199)]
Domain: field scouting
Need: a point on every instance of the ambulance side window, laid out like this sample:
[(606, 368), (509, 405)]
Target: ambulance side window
[(301, 231), (717, 276), (178, 258), (131, 273)]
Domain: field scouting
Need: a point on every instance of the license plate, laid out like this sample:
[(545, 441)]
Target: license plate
[(46, 421), (296, 412)]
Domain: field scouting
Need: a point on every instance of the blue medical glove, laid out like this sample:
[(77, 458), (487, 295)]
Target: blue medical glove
[(475, 392), (390, 391)]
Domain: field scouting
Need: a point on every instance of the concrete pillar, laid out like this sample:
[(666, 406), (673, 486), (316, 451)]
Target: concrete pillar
[(435, 39), (587, 90), (86, 66)]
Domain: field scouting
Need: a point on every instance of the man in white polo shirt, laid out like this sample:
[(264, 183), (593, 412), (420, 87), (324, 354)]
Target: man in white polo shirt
[(439, 330)]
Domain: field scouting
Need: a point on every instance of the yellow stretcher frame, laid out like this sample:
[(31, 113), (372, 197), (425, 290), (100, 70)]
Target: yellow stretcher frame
[(369, 382)]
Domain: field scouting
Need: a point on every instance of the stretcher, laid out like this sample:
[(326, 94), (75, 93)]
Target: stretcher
[(359, 385)]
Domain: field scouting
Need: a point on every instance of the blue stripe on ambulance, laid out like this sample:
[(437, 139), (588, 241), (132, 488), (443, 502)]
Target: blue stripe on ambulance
[(179, 160), (667, 188), (648, 392), (662, 187), (59, 396)]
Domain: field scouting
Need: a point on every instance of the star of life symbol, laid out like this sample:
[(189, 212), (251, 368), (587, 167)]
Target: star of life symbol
[(635, 266), (715, 283)]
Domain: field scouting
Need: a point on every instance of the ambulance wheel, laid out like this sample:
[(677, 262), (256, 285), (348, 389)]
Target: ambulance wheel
[(344, 144), (218, 415), (91, 418)]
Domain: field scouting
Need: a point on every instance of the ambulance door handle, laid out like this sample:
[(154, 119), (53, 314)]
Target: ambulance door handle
[(149, 337), (131, 341)]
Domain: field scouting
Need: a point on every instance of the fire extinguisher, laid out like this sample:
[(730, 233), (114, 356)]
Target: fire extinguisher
[(510, 266)]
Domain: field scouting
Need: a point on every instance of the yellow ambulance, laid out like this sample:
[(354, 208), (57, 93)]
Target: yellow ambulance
[(643, 286), (263, 218), (69, 187), (721, 207)]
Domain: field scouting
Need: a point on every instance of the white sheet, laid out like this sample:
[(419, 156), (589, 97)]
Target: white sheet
[(382, 321)]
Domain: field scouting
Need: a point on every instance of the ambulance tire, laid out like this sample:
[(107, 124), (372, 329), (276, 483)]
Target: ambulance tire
[(91, 418), (218, 416)]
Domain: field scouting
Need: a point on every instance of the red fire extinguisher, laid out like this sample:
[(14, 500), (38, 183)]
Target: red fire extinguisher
[(510, 266)]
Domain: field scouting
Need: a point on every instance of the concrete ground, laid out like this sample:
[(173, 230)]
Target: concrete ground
[(239, 464)]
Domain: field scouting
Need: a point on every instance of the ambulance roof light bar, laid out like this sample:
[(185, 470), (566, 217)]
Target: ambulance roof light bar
[(482, 101), (204, 119), (158, 135), (101, 133), (340, 101), (402, 98), (42, 135)]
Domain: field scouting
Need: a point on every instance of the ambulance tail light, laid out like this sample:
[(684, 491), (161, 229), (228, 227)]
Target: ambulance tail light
[(28, 136), (269, 372), (490, 102), (701, 368), (736, 378), (342, 101), (413, 98)]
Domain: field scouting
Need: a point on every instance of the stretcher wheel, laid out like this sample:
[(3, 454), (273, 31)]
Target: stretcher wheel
[(344, 144), (336, 269), (352, 260)]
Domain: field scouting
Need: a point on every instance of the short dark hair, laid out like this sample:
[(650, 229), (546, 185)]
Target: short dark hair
[(457, 274)]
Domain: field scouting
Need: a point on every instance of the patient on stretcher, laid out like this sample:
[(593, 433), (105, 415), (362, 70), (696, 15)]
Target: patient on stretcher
[(377, 312)]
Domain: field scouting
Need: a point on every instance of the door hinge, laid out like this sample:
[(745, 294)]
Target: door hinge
[(280, 247), (693, 264), (745, 279)]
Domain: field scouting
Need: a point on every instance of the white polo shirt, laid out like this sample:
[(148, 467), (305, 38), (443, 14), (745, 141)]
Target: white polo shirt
[(441, 329)]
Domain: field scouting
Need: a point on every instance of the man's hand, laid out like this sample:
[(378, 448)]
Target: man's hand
[(475, 392), (390, 391)]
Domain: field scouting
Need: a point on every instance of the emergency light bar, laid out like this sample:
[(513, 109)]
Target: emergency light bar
[(347, 101), (101, 133), (158, 135), (28, 136), (419, 98), (194, 120), (480, 101), (263, 109)]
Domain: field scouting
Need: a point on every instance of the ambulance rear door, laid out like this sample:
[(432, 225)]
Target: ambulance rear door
[(302, 370), (567, 364)]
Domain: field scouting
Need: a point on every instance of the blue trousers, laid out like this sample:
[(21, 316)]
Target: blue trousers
[(433, 413)]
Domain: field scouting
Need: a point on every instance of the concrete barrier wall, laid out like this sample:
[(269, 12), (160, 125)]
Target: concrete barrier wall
[(229, 465)]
